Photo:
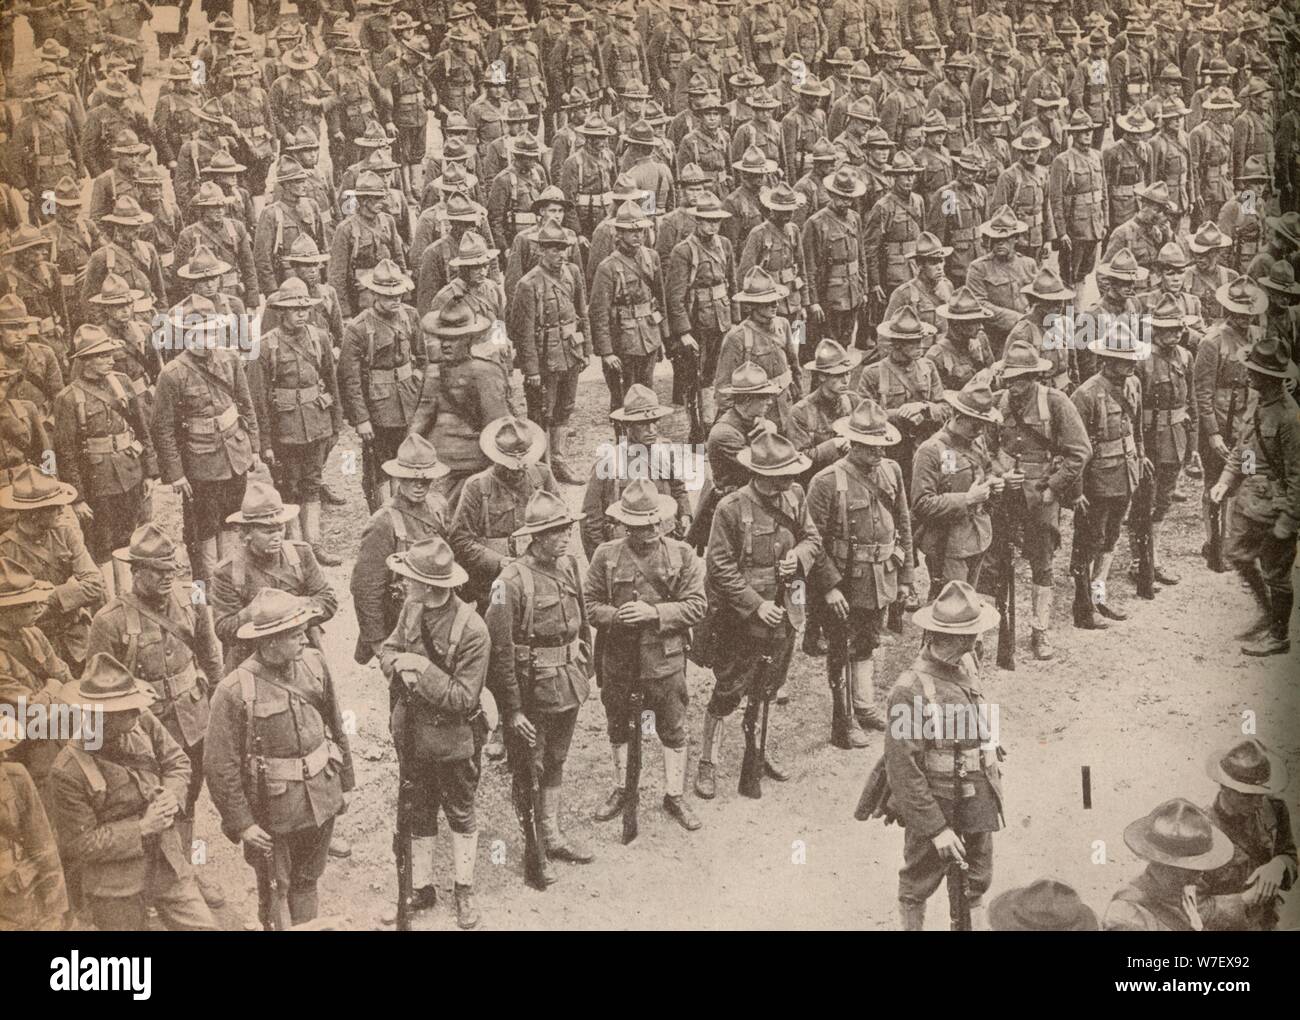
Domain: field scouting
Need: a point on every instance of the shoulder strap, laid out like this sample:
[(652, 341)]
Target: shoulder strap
[(746, 528), (134, 628), (89, 768), (398, 522), (1044, 411), (526, 580), (457, 632), (290, 554)]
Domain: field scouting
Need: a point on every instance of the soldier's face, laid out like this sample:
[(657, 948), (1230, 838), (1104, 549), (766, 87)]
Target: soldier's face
[(863, 456), (750, 408), (283, 648), (387, 304), (296, 189), (1117, 369), (414, 490), (208, 287), (930, 270), (151, 582), (643, 433), (14, 618), (772, 485), (118, 315), (552, 257), (14, 340), (307, 272), (474, 275), (264, 539), (833, 385), (40, 520), (1172, 280), (1020, 387), (550, 545), (212, 215), (98, 365), (905, 182), (712, 119), (706, 228), (1001, 247), (693, 193), (308, 157), (118, 724), (630, 239), (905, 351), (296, 318), (642, 535), (371, 205)]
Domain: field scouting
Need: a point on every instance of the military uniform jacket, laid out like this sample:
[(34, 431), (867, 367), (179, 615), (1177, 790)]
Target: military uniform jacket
[(746, 214), (358, 246), (280, 223), (32, 891), (1246, 228), (1203, 286), (945, 466), (772, 349), (60, 557), (1126, 165), (99, 798), (1171, 158), (413, 94), (139, 265), (765, 135), (1046, 441), (586, 179), (1078, 202), (892, 386), (1251, 136), (701, 279), (799, 133), (605, 486), (1257, 837), (1023, 190), (457, 404), (667, 576), (204, 423), (953, 102), (1271, 493), (1054, 344), (74, 243), (541, 638), (780, 252), (1110, 416), (101, 440), (172, 117), (811, 427), (548, 321), (889, 237), (748, 530), (1130, 80), (924, 299), (378, 380), (172, 649), (839, 272), (290, 113), (1143, 905), (289, 722), (627, 302), (925, 760), (997, 284), (1144, 239), (48, 148), (106, 189), (326, 316), (39, 381), (26, 656), (711, 150), (510, 202), (954, 213), (490, 508), (251, 111), (1169, 404), (23, 439), (294, 387), (866, 530), (1220, 382)]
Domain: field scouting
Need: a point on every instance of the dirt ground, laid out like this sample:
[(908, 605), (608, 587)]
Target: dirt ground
[(1141, 704)]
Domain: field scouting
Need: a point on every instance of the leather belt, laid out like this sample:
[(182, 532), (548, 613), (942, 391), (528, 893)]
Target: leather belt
[(297, 770), (941, 762), (116, 443), (304, 395), (1176, 415), (555, 657), (525, 219), (227, 419), (170, 688), (843, 270), (717, 291), (863, 552), (1115, 447), (586, 201), (395, 375)]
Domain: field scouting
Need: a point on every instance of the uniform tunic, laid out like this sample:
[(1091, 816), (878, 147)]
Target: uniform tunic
[(948, 528), (33, 896), (1258, 836)]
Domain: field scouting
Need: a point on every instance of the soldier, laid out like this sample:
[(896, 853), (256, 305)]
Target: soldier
[(645, 168), (75, 239), (1045, 327), (1250, 811), (946, 786), (361, 242), (963, 347), (760, 131), (903, 109), (995, 88), (811, 187), (23, 431), (539, 668), (39, 377), (549, 324), (743, 205), (775, 245), (955, 211), (438, 651), (36, 898), (951, 98), (1260, 542), (103, 449), (802, 126), (929, 287), (1022, 189), (217, 239), (48, 145), (105, 122), (248, 106), (1110, 405), (1127, 165), (300, 95), (932, 158), (213, 138), (1242, 217), (707, 144), (1078, 212), (997, 278), (1171, 158), (1131, 70), (477, 281), (494, 155), (30, 274), (282, 221), (280, 703), (891, 232), (762, 338), (1180, 844), (762, 541), (1252, 129), (678, 224), (159, 635), (119, 179), (514, 189), (1147, 231), (413, 95), (126, 255), (839, 257), (646, 577), (990, 145), (134, 781), (1210, 152), (574, 59)]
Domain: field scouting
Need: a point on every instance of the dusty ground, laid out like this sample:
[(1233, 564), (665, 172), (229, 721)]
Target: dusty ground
[(1141, 704)]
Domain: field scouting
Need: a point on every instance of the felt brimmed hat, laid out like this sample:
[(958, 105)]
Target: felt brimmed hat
[(13, 313), (969, 159), (595, 126), (1123, 265), (292, 294), (762, 99), (642, 505), (1267, 356), (749, 380), (203, 265), (127, 143), (1181, 835), (1080, 121), (772, 455), (1248, 766), (67, 193), (127, 213), (780, 198), (760, 287), (1287, 225), (299, 58), (1220, 99), (629, 217), (416, 458), (1047, 286), (928, 249), (373, 137), (150, 546), (262, 505), (958, 610), (868, 425), (456, 319), (1280, 279), (1135, 122), (27, 236), (754, 161), (209, 195), (1242, 295), (641, 133), (430, 562), (811, 86), (1253, 169), (709, 207), (975, 399), (1031, 140), (640, 403), (964, 306), (472, 251), (1003, 223), (1119, 341), (32, 489), (1045, 905), (386, 278), (107, 685), (273, 611), (844, 183), (1172, 256), (545, 512), (526, 145), (1156, 194), (18, 587), (304, 250), (902, 163), (223, 163), (1021, 358), (905, 326), (90, 340), (513, 442), (830, 358)]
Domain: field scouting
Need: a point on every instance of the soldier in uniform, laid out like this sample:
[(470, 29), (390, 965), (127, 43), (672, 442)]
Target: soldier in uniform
[(1127, 164), (1171, 158), (413, 95), (945, 784), (1131, 70), (996, 88), (156, 631), (1252, 129), (762, 338), (1078, 214), (929, 287), (119, 179), (574, 59), (540, 663), (280, 705), (762, 539), (962, 348), (838, 259), (300, 95), (24, 436), (646, 168), (48, 146), (996, 279), (105, 122), (588, 175), (775, 245), (292, 214), (514, 189), (35, 896), (549, 325), (1021, 188), (439, 652), (116, 807), (1110, 405), (1147, 231), (1210, 154), (760, 131), (1242, 217), (802, 126), (991, 147), (955, 211), (29, 273), (744, 204), (127, 255), (903, 109), (217, 238), (102, 448), (951, 98), (361, 243), (1045, 328), (1261, 532), (646, 577), (891, 234), (248, 106), (75, 239), (39, 377), (859, 505), (811, 187)]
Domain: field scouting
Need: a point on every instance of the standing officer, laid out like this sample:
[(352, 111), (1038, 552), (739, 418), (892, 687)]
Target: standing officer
[(859, 505), (588, 175), (361, 242), (276, 727), (102, 448), (762, 542), (645, 592), (540, 663), (162, 638), (550, 328), (514, 189), (438, 651), (1127, 165), (1261, 541), (946, 787), (1078, 213), (115, 809), (839, 269), (1021, 188), (1042, 438)]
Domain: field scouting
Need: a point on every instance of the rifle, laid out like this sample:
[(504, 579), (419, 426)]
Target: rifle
[(402, 850), (841, 688), (758, 700), (688, 365), (614, 381), (1218, 519), (636, 698), (959, 871), (1004, 528), (1081, 571), (370, 481), (277, 909), (527, 792), (1140, 522)]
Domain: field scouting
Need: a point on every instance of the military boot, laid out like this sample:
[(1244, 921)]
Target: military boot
[(558, 845), (675, 788), (311, 535), (464, 847), (329, 497), (1277, 639), (1254, 583), (911, 915), (559, 458), (1163, 574), (1100, 572), (614, 802), (1040, 621), (864, 695), (706, 785), (304, 904), (424, 894)]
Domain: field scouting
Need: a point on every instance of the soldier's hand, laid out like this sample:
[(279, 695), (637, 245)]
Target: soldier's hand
[(1081, 504), (1220, 447), (664, 86), (522, 728), (771, 614), (1148, 469), (913, 411), (841, 445), (815, 313), (1217, 492), (365, 430), (689, 343), (82, 509), (256, 837), (878, 293), (149, 485), (978, 493), (268, 457), (1265, 882), (683, 525), (949, 846), (633, 614), (156, 818), (1191, 909), (612, 362), (762, 427), (838, 604), (788, 565), (1064, 244), (182, 486), (532, 380), (1280, 530)]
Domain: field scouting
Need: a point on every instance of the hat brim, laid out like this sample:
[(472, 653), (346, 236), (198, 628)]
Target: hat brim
[(884, 332), (139, 149), (1274, 223), (317, 259), (397, 563), (1002, 916), (778, 293), (123, 555), (251, 631), (1064, 294), (65, 496), (1137, 837), (987, 619), (567, 521), (367, 280), (654, 413), (220, 269), (890, 437), (1243, 357), (106, 346), (1277, 775), (944, 311), (1021, 145), (486, 257), (768, 389), (230, 171), (1258, 303), (40, 591), (798, 466), (665, 510), (305, 301), (953, 398), (286, 513), (536, 445), (768, 167), (1040, 366), (854, 358), (988, 230), (142, 696), (142, 220), (1292, 289), (1140, 351)]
